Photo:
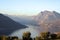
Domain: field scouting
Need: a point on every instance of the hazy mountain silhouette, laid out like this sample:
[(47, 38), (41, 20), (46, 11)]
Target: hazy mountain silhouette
[(7, 25), (26, 20)]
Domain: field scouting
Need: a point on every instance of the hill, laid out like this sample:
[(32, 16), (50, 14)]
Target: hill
[(7, 25), (48, 21)]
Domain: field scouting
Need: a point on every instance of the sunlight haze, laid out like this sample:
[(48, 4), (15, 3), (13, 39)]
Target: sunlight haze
[(28, 7)]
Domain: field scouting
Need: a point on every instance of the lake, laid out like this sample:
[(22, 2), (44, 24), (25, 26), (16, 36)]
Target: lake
[(35, 31), (30, 28)]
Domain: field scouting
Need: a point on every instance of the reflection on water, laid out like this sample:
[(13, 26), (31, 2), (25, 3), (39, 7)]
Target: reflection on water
[(31, 29)]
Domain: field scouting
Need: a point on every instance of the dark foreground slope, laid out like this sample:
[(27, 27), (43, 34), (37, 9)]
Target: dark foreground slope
[(7, 25)]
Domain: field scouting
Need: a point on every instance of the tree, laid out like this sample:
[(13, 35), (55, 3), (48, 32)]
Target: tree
[(14, 38), (53, 36), (37, 38), (58, 35), (45, 35), (3, 37), (27, 36)]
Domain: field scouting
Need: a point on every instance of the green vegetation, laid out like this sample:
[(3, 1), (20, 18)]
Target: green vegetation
[(27, 36)]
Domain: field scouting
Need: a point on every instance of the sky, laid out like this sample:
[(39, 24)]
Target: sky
[(28, 7)]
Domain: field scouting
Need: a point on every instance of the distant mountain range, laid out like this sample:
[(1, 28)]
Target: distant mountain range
[(47, 20), (7, 25)]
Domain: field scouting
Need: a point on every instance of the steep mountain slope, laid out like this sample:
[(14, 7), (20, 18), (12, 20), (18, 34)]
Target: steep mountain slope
[(49, 21), (7, 25)]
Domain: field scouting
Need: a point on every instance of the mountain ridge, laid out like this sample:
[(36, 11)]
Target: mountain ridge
[(49, 20), (46, 20), (7, 25)]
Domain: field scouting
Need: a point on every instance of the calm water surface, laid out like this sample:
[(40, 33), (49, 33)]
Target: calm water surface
[(33, 29)]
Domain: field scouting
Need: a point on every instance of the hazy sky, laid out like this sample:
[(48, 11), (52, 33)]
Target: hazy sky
[(28, 7)]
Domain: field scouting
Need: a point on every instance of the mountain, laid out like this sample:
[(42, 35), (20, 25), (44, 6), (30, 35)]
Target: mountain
[(44, 21), (49, 20), (7, 25), (26, 20)]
